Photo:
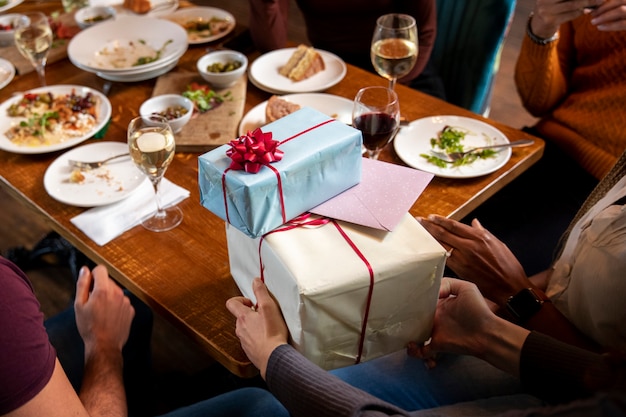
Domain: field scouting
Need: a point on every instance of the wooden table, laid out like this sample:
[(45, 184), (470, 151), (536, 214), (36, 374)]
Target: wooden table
[(183, 274)]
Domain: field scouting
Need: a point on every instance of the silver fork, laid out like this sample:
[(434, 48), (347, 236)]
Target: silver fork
[(454, 156), (95, 164)]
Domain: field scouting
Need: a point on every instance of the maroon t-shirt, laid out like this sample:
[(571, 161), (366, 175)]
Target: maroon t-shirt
[(26, 356)]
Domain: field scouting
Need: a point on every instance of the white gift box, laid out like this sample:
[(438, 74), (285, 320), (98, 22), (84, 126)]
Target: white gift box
[(322, 282)]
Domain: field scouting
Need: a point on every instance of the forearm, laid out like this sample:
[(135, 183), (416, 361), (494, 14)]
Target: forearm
[(502, 345), (102, 391)]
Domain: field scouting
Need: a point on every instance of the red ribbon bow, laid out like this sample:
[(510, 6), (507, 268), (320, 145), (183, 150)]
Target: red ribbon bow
[(253, 150)]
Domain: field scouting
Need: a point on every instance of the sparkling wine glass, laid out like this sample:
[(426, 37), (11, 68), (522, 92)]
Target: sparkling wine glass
[(151, 144), (376, 113), (33, 38), (394, 46)]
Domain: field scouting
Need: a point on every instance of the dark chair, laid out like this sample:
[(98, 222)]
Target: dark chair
[(470, 36)]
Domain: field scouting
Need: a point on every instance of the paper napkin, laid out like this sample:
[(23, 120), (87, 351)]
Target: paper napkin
[(382, 198), (103, 224)]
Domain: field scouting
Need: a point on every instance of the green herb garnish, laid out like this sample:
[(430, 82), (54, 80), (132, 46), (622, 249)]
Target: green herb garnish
[(449, 141), (148, 59)]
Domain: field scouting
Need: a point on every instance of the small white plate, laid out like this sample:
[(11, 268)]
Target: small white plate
[(334, 106), (7, 72), (137, 77), (159, 7), (105, 185), (264, 73), (414, 140), (104, 114), (204, 14), (11, 4)]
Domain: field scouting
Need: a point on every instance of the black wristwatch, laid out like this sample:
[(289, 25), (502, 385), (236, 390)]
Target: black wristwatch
[(524, 304)]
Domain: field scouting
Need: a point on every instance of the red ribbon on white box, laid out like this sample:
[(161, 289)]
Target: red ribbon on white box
[(305, 220)]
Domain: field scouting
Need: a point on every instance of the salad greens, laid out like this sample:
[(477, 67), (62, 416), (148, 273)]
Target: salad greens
[(448, 141)]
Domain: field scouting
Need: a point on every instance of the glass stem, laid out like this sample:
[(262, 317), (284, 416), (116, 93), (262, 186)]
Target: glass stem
[(392, 83), (155, 184), (40, 67)]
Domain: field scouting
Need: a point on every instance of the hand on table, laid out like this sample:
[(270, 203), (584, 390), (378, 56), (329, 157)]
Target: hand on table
[(260, 328), (103, 314), (478, 256)]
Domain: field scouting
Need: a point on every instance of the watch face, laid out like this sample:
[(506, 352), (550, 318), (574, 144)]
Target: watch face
[(524, 304)]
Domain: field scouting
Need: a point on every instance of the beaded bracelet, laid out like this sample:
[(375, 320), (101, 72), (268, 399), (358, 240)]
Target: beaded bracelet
[(536, 39)]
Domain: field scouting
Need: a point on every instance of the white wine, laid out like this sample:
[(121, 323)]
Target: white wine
[(34, 42), (394, 57), (152, 150)]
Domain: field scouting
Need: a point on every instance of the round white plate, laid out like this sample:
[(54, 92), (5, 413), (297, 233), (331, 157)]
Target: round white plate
[(84, 48), (7, 72), (186, 14), (414, 140), (159, 7), (104, 114), (11, 4), (334, 106), (109, 183), (137, 77), (264, 73)]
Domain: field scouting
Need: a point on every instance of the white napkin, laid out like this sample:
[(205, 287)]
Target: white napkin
[(103, 224)]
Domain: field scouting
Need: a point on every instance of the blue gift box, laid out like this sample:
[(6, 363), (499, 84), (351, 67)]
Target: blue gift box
[(321, 158)]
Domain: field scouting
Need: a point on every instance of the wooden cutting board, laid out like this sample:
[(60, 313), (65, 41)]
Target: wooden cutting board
[(213, 128)]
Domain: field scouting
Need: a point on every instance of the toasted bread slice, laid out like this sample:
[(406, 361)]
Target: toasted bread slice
[(278, 107)]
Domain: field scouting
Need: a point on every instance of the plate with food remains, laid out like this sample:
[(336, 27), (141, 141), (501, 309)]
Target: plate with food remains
[(150, 8), (414, 144), (297, 70), (204, 24), (48, 119), (108, 184), (278, 106), (8, 4)]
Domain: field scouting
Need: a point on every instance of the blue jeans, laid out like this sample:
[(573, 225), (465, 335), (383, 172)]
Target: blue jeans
[(405, 382)]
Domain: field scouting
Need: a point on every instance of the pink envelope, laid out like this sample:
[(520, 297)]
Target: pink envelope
[(386, 192)]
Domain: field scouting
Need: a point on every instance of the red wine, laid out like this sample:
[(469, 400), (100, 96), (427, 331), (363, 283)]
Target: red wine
[(376, 128)]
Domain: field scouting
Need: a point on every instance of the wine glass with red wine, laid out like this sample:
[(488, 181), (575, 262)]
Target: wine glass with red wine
[(376, 113)]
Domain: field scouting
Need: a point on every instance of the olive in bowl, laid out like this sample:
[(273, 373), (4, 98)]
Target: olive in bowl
[(90, 16), (222, 68), (174, 107)]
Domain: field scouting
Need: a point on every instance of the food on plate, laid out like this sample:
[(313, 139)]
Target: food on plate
[(43, 119), (303, 63), (172, 112), (278, 107), (138, 6), (127, 54), (98, 18), (76, 176), (200, 28), (6, 27), (224, 66), (449, 140), (204, 98)]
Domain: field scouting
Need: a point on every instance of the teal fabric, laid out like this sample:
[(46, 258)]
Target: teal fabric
[(470, 35)]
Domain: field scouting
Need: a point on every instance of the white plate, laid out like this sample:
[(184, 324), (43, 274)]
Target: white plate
[(104, 114), (159, 7), (7, 72), (414, 140), (334, 106), (264, 73), (137, 77), (84, 48), (11, 4), (105, 185), (183, 15)]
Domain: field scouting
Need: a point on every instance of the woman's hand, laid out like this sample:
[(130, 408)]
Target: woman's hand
[(610, 16), (549, 15), (260, 328), (478, 256)]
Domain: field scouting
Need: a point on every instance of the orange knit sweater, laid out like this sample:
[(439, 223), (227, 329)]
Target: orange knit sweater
[(577, 86)]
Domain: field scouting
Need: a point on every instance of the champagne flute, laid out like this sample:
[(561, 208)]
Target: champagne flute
[(394, 46), (33, 38), (376, 113), (151, 144)]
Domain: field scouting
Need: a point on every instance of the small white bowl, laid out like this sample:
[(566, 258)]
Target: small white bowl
[(7, 37), (162, 103), (90, 16), (222, 79)]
